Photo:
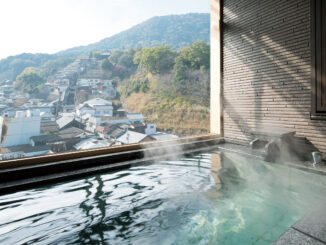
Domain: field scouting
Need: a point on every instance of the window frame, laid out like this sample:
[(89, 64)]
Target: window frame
[(316, 73), (20, 174), (106, 151), (194, 143)]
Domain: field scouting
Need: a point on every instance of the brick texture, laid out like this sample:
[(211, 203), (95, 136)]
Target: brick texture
[(266, 69)]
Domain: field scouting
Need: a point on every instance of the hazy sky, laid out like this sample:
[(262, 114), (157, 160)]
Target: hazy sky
[(49, 26)]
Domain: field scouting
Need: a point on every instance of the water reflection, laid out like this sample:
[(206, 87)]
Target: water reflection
[(216, 166), (93, 208), (211, 198)]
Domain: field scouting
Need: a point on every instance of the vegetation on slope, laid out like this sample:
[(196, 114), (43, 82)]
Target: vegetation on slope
[(47, 65), (170, 115), (175, 94), (169, 85), (30, 81), (12, 66), (174, 31)]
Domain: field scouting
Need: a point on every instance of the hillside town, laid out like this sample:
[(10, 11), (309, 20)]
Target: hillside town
[(77, 114)]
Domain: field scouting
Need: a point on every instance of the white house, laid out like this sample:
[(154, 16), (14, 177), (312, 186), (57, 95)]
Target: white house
[(108, 92), (84, 82), (7, 89), (159, 136), (17, 130), (20, 151), (91, 143), (150, 129), (131, 137), (96, 107), (93, 122), (47, 117), (41, 109), (85, 109), (107, 83), (135, 117)]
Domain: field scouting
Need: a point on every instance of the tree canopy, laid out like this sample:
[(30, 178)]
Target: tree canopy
[(115, 56), (195, 56), (29, 81), (174, 31), (106, 65), (52, 66), (155, 60)]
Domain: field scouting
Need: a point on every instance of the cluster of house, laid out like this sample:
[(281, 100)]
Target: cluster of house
[(96, 86), (82, 78), (36, 130), (10, 98), (88, 76), (31, 127)]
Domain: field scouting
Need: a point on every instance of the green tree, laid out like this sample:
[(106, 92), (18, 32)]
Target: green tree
[(137, 83), (195, 56), (29, 81), (180, 71), (192, 60), (18, 65), (115, 56), (52, 66), (155, 60), (127, 58), (106, 65)]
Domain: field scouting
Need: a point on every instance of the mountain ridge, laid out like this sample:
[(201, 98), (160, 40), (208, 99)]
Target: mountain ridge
[(201, 20), (174, 31)]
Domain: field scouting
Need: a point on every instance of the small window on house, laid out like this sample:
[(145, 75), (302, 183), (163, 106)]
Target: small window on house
[(318, 58)]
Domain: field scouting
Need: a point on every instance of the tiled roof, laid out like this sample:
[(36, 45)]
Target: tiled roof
[(65, 134), (98, 102), (102, 129), (65, 120), (116, 132), (91, 144), (51, 127), (131, 137)]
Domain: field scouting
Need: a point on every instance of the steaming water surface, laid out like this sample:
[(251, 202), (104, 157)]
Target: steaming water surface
[(213, 198)]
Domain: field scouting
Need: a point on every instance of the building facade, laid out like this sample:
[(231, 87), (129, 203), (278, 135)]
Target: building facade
[(267, 62), (18, 130)]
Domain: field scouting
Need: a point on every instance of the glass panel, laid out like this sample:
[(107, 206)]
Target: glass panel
[(323, 55), (84, 75)]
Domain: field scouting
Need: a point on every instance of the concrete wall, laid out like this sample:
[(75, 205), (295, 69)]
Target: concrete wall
[(17, 131), (266, 69)]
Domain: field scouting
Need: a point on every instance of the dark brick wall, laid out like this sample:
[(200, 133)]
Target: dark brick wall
[(266, 69)]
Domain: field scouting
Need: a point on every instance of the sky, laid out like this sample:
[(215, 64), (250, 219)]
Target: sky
[(49, 26)]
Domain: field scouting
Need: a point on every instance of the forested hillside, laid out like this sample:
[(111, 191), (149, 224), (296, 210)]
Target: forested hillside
[(160, 67), (12, 66), (173, 31), (172, 89)]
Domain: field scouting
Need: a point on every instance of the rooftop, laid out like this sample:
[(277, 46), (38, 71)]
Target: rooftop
[(131, 137), (163, 136), (91, 144), (65, 120), (25, 148), (98, 102), (49, 127), (65, 134)]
